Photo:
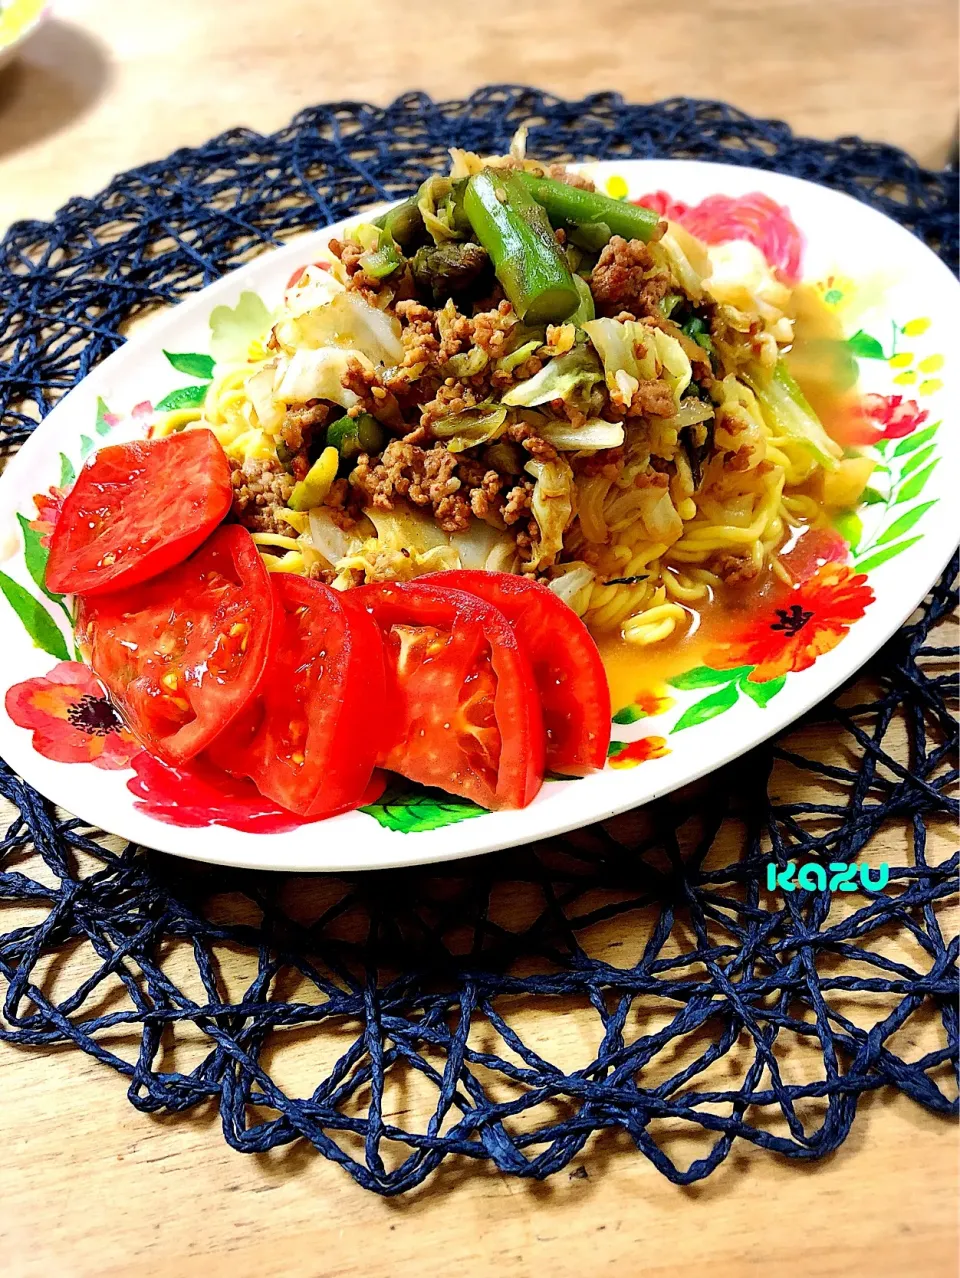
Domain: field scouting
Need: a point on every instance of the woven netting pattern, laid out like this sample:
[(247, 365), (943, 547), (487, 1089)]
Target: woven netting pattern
[(636, 976)]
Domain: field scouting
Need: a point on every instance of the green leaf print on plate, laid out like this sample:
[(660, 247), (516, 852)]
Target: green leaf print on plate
[(35, 556), (413, 809), (37, 622), (701, 711), (192, 363), (864, 346), (184, 397), (103, 425), (729, 685)]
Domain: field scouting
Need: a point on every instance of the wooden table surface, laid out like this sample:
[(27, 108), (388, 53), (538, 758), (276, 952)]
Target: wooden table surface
[(90, 1187)]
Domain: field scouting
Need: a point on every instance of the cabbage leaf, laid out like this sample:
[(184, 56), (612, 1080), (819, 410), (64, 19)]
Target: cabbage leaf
[(570, 377), (787, 412)]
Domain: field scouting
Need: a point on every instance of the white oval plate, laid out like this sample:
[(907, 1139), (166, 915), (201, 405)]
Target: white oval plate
[(887, 287)]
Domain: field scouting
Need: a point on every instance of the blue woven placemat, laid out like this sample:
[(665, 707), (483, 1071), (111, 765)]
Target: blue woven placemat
[(722, 987)]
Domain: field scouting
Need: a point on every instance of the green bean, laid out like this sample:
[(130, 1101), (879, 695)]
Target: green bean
[(514, 230), (403, 223), (591, 236), (351, 436), (565, 203)]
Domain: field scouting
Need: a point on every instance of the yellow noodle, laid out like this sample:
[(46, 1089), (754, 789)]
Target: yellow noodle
[(684, 587), (654, 625)]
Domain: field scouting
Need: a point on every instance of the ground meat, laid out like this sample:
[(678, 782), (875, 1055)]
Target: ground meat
[(526, 436), (372, 395), (299, 422), (518, 502), (425, 477), (738, 461), (652, 479), (260, 489), (421, 344), (451, 397), (560, 173), (626, 277), (483, 496), (349, 252), (607, 462), (731, 568), (490, 329), (652, 399)]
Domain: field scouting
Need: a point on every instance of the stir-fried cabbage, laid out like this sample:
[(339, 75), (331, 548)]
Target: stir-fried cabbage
[(259, 387), (659, 515), (570, 377), (483, 546), (315, 287), (407, 528), (741, 277), (686, 257), (347, 322), (552, 506), (572, 583), (471, 427), (690, 412), (315, 374), (787, 412), (333, 542), (436, 209), (467, 363), (507, 363), (591, 435), (619, 346), (399, 544), (407, 544), (675, 364)]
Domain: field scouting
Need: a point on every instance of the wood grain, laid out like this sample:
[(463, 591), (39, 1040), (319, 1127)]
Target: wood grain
[(89, 1186)]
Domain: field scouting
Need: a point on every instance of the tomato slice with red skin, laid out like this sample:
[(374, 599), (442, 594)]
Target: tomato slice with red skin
[(136, 510), (460, 695), (182, 655), (567, 666), (309, 740)]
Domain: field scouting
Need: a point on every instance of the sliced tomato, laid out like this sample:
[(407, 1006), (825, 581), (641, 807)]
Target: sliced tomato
[(309, 740), (182, 655), (566, 664), (136, 510), (460, 694)]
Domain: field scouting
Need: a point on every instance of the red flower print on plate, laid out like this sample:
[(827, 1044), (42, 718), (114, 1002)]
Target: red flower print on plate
[(797, 627), (888, 417), (71, 719), (49, 506), (630, 754), (753, 217)]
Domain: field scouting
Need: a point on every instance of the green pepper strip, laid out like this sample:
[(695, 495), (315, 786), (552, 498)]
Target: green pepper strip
[(383, 261), (572, 204), (514, 230)]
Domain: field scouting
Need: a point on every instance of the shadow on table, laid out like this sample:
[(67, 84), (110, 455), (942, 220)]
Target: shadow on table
[(60, 74)]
